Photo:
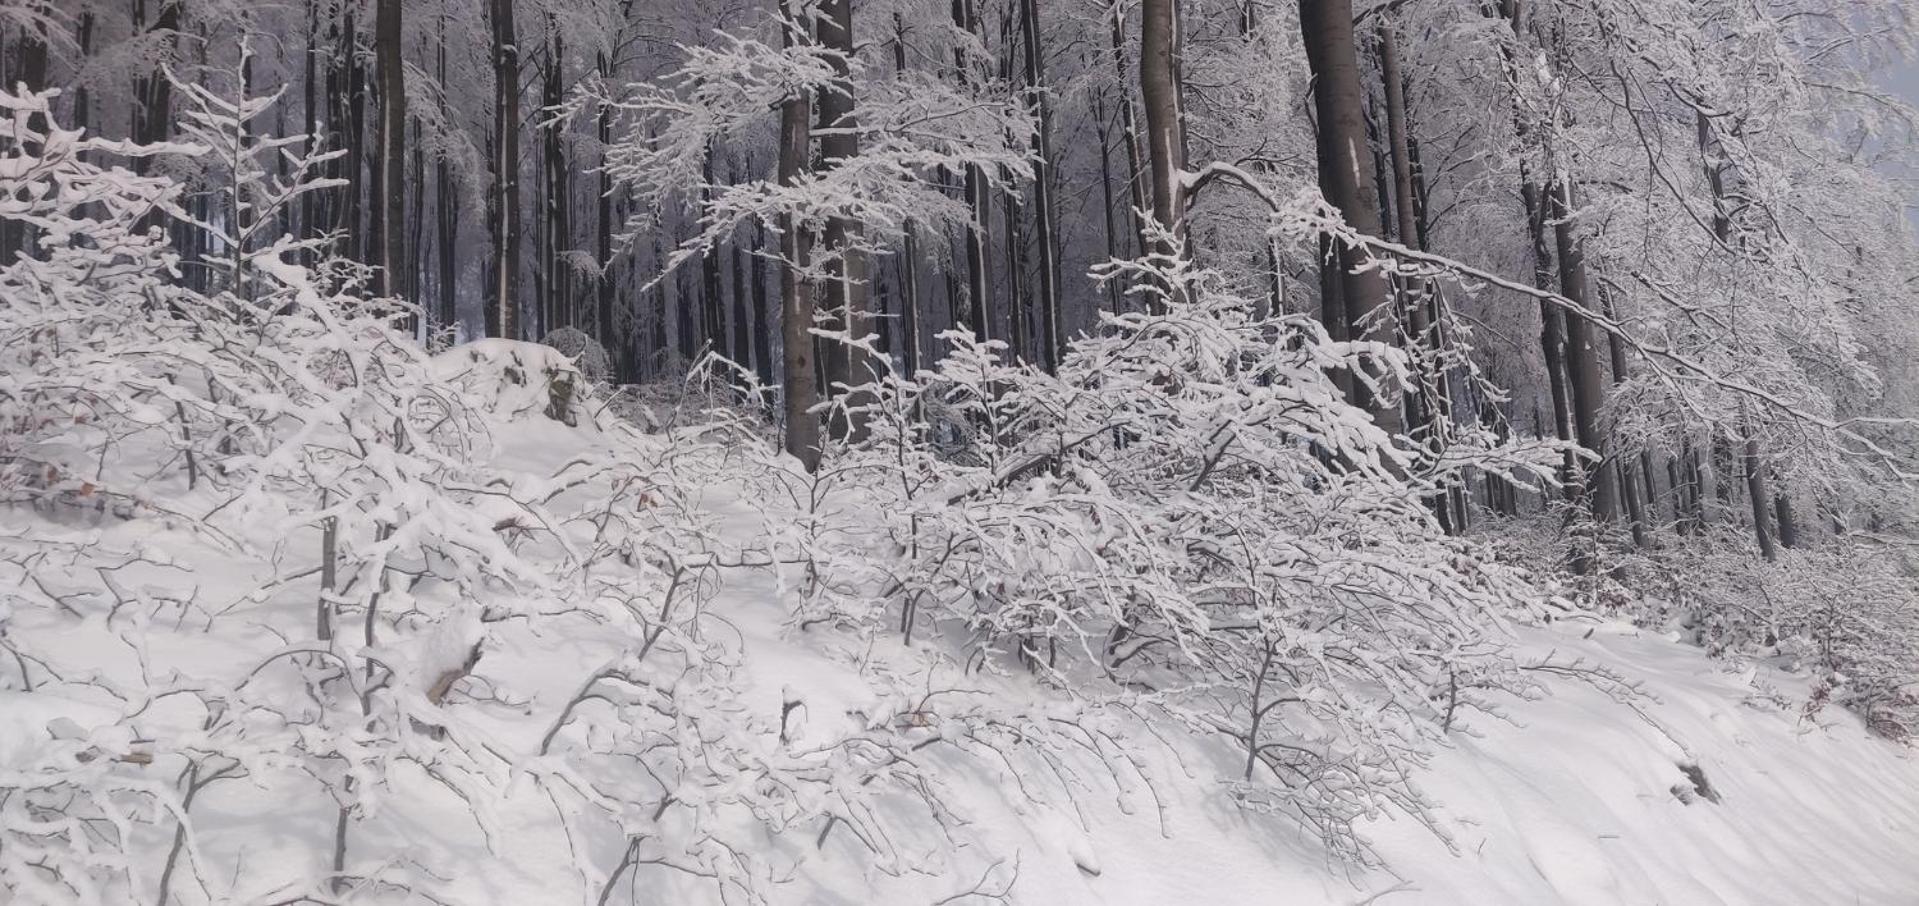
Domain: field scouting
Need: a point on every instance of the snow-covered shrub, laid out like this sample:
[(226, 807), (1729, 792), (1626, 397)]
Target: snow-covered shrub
[(94, 339), (587, 353), (283, 417), (515, 379), (1845, 611), (1190, 510)]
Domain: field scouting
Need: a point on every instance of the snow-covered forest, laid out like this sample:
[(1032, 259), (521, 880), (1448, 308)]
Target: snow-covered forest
[(958, 452)]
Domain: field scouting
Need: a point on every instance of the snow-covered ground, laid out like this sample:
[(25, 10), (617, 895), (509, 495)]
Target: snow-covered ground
[(1645, 774)]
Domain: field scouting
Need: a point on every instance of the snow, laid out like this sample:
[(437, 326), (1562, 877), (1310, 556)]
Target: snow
[(1570, 798)]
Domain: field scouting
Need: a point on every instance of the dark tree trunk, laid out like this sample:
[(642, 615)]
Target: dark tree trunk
[(712, 293), (1712, 150), (389, 193), (603, 238), (909, 263), (310, 210), (1788, 529), (1013, 244), (1129, 132), (446, 204), (849, 272), (979, 307), (1427, 402), (556, 232), (1327, 29), (1759, 496), (1114, 244), (762, 328), (1582, 356), (802, 435), (353, 219), (661, 304), (1628, 487), (504, 212), (1551, 324), (1047, 301), (743, 329), (1159, 93), (29, 69), (82, 96)]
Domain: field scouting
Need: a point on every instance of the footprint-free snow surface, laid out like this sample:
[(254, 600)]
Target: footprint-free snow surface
[(1645, 773)]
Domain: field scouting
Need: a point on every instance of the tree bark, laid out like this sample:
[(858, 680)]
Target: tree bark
[(1551, 326), (1326, 26), (446, 203), (390, 184), (505, 207), (1759, 497), (909, 263), (1129, 132), (1048, 300), (849, 270), (762, 338), (1159, 93), (1712, 150), (1628, 489), (557, 219), (712, 292), (743, 329), (802, 435), (82, 96), (603, 237), (1582, 356), (978, 237), (1426, 403)]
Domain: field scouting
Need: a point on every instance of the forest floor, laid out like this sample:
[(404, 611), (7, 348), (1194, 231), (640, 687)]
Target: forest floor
[(1690, 782)]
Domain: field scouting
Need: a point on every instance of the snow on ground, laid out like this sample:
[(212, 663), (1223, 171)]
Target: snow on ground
[(1702, 786)]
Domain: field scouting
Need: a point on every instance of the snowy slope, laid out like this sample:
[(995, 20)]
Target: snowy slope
[(1578, 796)]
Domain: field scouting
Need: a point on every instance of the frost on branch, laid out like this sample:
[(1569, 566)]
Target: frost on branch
[(1189, 518)]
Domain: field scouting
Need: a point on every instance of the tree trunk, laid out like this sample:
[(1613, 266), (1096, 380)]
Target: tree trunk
[(1013, 245), (557, 230), (743, 329), (762, 331), (849, 274), (1628, 487), (446, 203), (1129, 132), (1582, 355), (353, 221), (1159, 93), (1047, 301), (1782, 508), (1326, 26), (390, 182), (505, 213), (30, 52), (82, 97), (802, 436), (909, 263), (1113, 242), (978, 237), (310, 210), (603, 238), (1551, 324), (1758, 495), (712, 291), (1712, 150), (1425, 403)]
